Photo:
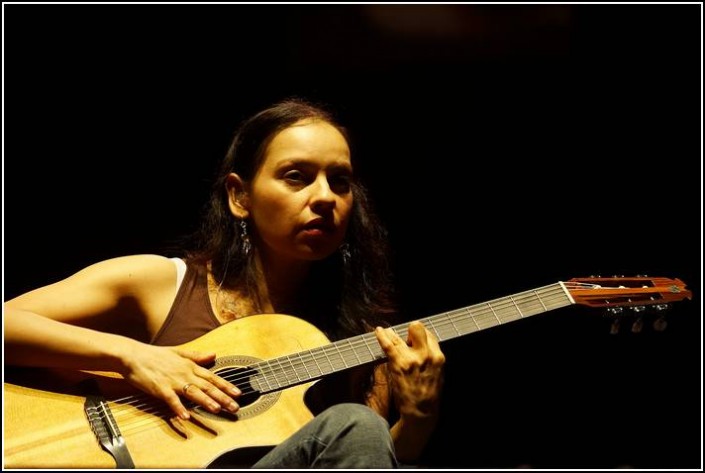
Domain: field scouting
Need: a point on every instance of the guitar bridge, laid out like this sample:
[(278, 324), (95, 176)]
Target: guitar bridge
[(103, 424)]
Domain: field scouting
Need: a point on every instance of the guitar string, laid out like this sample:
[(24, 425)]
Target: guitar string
[(484, 314), (497, 312), (368, 341), (512, 301), (495, 306), (435, 323), (502, 310), (508, 308), (548, 303)]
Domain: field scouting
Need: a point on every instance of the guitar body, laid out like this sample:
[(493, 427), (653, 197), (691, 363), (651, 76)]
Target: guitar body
[(46, 426)]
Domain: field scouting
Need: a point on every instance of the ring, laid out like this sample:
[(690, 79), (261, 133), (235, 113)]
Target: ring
[(185, 388)]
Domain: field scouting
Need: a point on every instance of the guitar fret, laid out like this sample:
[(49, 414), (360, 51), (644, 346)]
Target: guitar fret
[(273, 374), (541, 301), (300, 376), (260, 377), (494, 313), (304, 365), (354, 351), (517, 306), (287, 372), (369, 349), (472, 318), (330, 363), (429, 323), (266, 377), (455, 327), (341, 357), (315, 363), (281, 369)]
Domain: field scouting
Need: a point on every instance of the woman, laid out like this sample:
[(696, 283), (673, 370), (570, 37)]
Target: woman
[(287, 230)]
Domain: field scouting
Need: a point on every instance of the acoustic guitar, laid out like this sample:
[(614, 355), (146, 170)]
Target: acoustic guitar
[(81, 419)]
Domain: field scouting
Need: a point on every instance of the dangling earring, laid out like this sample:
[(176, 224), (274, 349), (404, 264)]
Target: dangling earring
[(246, 245), (345, 252)]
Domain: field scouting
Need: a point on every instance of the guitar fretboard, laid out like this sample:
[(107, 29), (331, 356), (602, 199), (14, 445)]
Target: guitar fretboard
[(309, 365)]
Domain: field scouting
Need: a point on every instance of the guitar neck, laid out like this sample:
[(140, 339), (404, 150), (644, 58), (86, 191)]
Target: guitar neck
[(309, 365)]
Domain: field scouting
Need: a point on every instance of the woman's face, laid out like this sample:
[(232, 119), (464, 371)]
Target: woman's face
[(300, 199)]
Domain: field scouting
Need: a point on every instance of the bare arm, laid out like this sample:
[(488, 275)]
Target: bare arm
[(44, 327), (80, 323)]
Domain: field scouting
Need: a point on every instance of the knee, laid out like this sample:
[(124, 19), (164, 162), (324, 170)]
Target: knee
[(346, 428), (356, 417)]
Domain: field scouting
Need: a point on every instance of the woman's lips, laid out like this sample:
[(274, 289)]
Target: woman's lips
[(318, 227), (313, 232)]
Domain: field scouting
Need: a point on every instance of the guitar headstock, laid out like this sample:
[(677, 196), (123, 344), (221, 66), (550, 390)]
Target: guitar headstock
[(633, 293), (639, 291)]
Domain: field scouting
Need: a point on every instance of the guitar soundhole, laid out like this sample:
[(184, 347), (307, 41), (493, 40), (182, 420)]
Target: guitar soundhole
[(237, 369)]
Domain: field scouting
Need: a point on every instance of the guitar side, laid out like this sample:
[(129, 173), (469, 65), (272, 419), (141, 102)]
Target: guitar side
[(46, 427)]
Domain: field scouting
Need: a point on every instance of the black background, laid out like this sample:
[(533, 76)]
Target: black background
[(507, 147)]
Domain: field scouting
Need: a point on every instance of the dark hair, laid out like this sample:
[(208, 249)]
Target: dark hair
[(358, 288)]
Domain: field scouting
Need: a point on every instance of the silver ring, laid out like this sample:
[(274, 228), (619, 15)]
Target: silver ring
[(185, 388)]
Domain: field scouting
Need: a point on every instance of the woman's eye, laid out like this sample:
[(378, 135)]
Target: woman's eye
[(294, 176), (340, 184)]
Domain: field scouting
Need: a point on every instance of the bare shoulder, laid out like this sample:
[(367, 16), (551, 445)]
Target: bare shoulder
[(141, 285), (133, 273), (124, 274)]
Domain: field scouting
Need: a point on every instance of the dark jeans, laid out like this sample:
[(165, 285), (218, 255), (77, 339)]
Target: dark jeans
[(343, 436)]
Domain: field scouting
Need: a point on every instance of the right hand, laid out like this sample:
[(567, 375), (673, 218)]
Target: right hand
[(164, 372)]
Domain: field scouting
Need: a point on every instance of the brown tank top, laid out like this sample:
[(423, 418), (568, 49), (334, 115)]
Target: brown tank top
[(191, 315)]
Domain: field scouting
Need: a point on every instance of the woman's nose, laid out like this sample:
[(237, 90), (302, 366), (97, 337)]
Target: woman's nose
[(322, 194)]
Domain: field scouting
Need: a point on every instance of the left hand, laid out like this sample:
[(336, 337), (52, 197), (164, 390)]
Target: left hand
[(415, 368)]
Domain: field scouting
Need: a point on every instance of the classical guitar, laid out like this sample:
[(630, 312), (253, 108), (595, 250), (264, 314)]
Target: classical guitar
[(79, 419)]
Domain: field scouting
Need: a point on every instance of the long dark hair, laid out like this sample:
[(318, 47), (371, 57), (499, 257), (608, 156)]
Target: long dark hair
[(355, 284)]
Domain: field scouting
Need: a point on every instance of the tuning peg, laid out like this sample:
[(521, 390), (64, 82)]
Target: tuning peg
[(637, 325), (660, 324), (614, 328)]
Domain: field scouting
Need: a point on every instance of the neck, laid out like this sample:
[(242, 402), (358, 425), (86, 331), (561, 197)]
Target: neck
[(279, 282)]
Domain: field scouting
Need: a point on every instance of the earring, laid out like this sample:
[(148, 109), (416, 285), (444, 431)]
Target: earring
[(246, 245), (345, 252)]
